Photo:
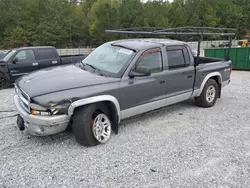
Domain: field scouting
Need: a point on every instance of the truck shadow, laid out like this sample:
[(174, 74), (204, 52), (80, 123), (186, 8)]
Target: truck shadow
[(67, 137)]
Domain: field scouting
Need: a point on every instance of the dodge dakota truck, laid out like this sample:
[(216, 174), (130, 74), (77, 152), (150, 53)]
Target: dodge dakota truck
[(118, 80), (18, 62)]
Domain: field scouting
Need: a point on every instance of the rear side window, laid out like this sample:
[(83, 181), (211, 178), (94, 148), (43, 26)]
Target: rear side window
[(178, 57), (46, 54), (175, 59)]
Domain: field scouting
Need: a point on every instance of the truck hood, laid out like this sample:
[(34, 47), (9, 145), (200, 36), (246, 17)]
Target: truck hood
[(59, 78)]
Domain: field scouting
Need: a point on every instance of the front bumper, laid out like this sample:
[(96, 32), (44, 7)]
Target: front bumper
[(42, 125)]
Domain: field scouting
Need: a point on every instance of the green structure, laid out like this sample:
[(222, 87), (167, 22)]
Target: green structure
[(240, 57)]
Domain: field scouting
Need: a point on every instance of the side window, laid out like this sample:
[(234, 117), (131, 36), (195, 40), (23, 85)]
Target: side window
[(46, 54), (25, 55), (175, 59), (153, 61)]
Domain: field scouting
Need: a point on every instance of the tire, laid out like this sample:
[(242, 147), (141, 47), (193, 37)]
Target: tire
[(20, 123), (84, 124), (209, 94), (4, 83)]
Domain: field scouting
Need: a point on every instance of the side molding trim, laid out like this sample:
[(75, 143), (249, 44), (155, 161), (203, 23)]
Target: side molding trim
[(154, 105)]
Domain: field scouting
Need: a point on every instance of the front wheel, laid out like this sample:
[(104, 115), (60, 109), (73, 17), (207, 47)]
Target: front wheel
[(209, 94), (92, 125), (4, 83)]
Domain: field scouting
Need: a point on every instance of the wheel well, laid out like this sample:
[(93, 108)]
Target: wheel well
[(113, 115), (218, 81), (216, 78), (112, 112)]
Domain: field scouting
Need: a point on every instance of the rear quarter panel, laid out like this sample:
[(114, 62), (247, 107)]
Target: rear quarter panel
[(203, 70)]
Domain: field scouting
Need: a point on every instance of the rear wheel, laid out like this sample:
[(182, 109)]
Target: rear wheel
[(92, 125), (209, 94)]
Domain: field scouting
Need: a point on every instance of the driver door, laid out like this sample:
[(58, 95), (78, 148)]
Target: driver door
[(23, 62), (141, 94)]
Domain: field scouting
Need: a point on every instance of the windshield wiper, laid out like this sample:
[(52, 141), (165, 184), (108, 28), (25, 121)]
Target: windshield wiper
[(94, 68)]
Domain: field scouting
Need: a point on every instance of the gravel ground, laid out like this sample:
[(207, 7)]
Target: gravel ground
[(179, 146)]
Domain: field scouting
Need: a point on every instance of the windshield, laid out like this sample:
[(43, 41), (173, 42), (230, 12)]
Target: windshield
[(109, 59), (3, 53), (9, 55)]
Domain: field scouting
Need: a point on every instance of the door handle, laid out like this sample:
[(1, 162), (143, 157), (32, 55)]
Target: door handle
[(162, 81), (35, 64), (190, 76)]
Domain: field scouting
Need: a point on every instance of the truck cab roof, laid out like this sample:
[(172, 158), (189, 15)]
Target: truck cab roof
[(142, 44), (35, 47)]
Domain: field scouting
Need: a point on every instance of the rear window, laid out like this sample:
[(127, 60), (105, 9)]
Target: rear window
[(46, 54)]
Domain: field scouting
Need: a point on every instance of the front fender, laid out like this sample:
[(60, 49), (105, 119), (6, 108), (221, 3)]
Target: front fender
[(90, 100)]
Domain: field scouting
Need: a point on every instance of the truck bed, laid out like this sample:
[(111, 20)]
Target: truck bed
[(203, 60)]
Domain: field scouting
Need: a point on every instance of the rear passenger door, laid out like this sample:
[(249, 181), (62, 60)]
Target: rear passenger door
[(180, 74), (47, 58)]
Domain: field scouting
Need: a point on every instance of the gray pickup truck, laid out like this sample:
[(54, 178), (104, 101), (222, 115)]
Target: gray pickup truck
[(117, 80)]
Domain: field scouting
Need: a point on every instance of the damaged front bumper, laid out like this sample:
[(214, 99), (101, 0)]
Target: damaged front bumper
[(42, 125)]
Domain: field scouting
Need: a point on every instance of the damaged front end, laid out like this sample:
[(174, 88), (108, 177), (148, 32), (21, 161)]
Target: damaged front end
[(52, 108), (38, 119)]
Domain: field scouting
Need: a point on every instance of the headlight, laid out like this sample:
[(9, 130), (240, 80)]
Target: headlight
[(38, 110)]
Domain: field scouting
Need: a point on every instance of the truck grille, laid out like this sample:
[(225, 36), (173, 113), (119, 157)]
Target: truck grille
[(24, 99)]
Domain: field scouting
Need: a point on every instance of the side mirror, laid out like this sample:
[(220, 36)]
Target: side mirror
[(140, 72), (15, 60)]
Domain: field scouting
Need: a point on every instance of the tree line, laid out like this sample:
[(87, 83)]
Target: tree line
[(64, 23)]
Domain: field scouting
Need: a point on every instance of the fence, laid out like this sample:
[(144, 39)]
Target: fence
[(209, 44), (74, 51)]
